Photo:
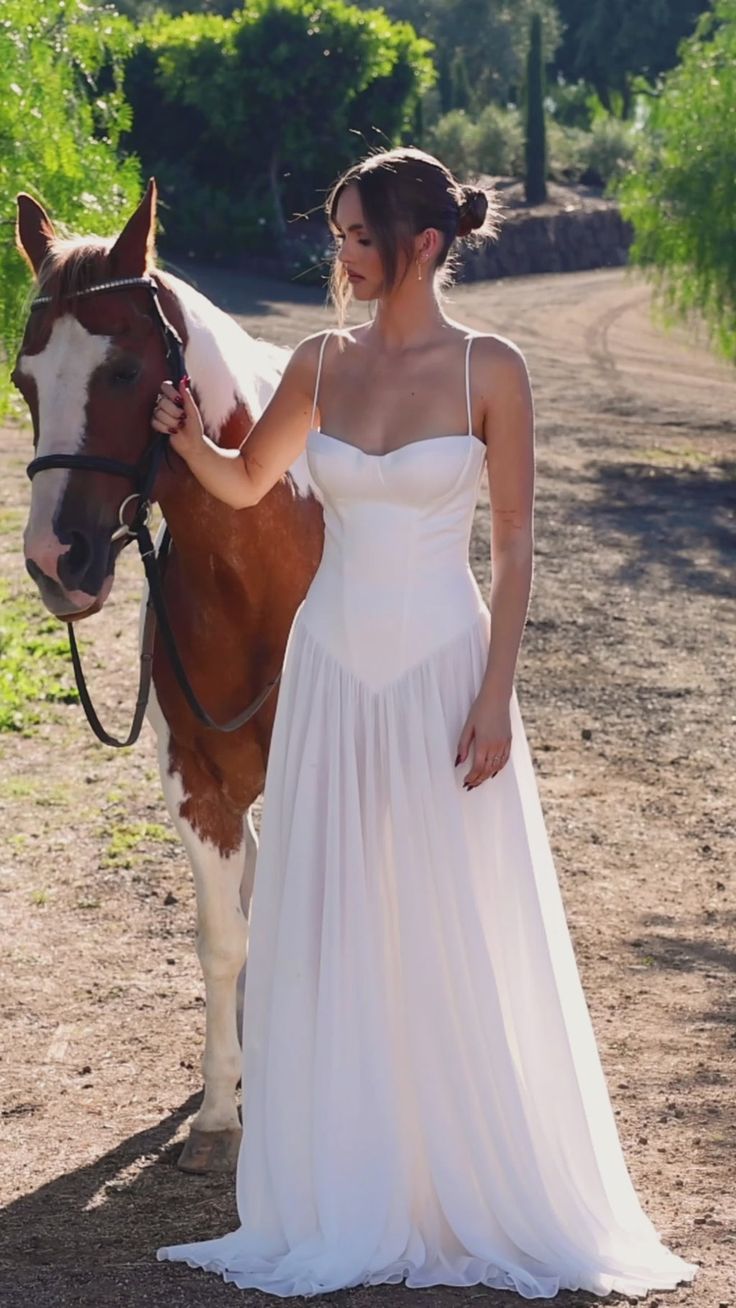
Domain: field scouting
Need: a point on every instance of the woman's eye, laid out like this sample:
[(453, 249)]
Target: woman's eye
[(363, 242)]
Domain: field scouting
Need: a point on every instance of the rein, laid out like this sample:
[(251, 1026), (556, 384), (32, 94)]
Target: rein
[(143, 475)]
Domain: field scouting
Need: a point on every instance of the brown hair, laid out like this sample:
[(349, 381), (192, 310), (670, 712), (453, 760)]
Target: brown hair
[(404, 191)]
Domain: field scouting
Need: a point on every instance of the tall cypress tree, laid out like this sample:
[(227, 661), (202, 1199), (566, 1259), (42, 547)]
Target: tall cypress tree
[(535, 184), (462, 97)]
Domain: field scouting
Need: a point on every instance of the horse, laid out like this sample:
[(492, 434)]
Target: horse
[(90, 365)]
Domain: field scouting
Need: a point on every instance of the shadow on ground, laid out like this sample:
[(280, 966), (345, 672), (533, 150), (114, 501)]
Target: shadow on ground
[(89, 1238)]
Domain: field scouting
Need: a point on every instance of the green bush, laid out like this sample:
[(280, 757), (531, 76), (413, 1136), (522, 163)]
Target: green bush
[(567, 150), (61, 115), (454, 139), (492, 143), (499, 141), (681, 194), (609, 149), (247, 118)]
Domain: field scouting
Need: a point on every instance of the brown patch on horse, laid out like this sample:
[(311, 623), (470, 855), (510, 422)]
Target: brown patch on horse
[(232, 589), (236, 427)]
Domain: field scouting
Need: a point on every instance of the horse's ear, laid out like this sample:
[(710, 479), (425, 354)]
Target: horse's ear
[(34, 230), (133, 252)]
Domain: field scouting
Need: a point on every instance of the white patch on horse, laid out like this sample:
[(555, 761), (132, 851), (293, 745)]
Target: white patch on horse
[(227, 366), (62, 373), (223, 885)]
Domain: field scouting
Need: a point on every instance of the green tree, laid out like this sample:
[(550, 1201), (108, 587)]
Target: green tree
[(493, 36), (681, 196), (462, 95), (609, 43), (535, 185), (243, 118), (59, 132)]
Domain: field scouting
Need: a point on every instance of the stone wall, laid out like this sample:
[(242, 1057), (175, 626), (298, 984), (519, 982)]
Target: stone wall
[(557, 242), (575, 229)]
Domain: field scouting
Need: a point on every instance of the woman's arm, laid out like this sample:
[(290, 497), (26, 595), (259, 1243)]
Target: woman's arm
[(242, 477), (509, 433)]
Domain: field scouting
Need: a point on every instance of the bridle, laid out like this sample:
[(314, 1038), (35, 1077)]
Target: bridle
[(143, 475)]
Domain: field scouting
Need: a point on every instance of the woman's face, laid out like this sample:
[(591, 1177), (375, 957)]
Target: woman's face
[(356, 250)]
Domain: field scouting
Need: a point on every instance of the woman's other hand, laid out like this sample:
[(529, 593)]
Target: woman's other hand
[(488, 731)]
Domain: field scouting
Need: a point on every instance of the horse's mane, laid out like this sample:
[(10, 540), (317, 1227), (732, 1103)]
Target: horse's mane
[(73, 264)]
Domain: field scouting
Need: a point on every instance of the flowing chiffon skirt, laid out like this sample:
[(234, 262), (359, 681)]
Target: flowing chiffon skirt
[(423, 1094)]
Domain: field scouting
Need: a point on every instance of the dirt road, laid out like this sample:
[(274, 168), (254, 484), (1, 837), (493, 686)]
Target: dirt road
[(625, 683)]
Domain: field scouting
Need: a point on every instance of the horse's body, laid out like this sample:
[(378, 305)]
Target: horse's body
[(90, 369)]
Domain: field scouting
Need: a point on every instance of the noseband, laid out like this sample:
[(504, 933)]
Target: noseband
[(143, 475)]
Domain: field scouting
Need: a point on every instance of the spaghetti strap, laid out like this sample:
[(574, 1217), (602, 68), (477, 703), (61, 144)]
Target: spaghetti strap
[(319, 374), (467, 386)]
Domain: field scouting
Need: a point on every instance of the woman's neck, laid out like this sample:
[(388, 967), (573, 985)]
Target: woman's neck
[(407, 319)]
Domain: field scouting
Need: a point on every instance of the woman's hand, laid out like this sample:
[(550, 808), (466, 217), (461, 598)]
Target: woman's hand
[(488, 729), (176, 413)]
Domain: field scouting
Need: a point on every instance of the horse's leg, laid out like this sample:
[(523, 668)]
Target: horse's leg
[(222, 945), (246, 893)]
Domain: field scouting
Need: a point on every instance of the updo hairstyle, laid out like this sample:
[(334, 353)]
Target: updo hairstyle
[(402, 192)]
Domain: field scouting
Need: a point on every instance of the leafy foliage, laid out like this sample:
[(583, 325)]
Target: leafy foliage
[(681, 196), (264, 107), (608, 43), (492, 144), (61, 115), (492, 36)]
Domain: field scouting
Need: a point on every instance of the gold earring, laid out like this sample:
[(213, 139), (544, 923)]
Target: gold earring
[(419, 271)]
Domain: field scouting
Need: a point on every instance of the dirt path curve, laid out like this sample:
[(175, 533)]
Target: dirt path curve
[(625, 684)]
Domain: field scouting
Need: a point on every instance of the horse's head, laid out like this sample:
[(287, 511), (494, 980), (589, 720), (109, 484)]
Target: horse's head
[(89, 367)]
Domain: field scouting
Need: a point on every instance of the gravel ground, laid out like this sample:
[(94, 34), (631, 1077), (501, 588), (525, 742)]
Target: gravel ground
[(625, 681)]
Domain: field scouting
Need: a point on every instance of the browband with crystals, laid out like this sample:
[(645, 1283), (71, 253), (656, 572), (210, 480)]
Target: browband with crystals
[(101, 286)]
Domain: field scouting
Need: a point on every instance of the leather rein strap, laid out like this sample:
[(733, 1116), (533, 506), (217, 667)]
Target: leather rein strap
[(143, 475)]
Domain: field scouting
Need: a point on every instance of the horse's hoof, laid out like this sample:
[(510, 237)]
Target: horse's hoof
[(210, 1151)]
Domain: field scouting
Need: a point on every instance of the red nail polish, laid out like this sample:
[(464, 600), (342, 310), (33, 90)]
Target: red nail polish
[(179, 401), (185, 380)]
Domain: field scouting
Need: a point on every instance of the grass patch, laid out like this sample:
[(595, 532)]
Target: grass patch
[(130, 838), (686, 456), (17, 788), (35, 668), (11, 522)]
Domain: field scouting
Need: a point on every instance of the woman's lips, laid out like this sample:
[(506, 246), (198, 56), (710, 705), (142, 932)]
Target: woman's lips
[(355, 277)]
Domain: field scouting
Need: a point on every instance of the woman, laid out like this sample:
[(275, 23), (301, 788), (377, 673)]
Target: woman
[(423, 1095)]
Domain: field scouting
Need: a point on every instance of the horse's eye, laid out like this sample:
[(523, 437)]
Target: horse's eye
[(125, 372)]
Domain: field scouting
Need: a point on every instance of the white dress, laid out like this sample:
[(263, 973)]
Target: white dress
[(423, 1094)]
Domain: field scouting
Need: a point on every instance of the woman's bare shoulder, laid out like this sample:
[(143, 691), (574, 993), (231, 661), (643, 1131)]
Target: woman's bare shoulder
[(494, 348), (499, 364), (307, 352)]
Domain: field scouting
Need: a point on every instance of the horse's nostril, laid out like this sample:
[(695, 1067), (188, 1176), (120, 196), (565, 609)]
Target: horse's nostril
[(74, 563), (79, 553)]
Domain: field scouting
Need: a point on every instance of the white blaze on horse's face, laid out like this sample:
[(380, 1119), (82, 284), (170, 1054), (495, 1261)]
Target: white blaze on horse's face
[(62, 372)]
